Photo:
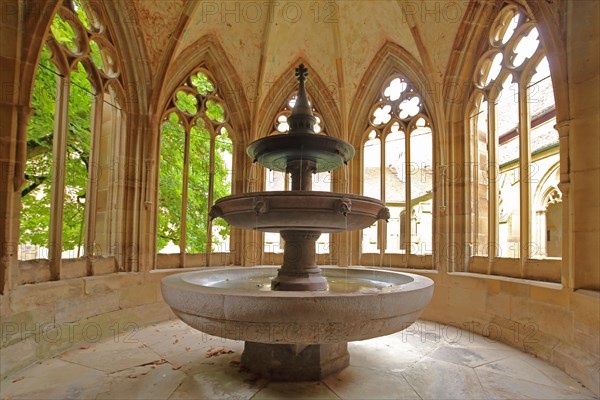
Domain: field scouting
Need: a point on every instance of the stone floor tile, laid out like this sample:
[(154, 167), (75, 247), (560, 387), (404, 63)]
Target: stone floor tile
[(148, 382), (221, 380), (426, 331), (501, 386), (222, 357), (433, 379), (112, 355), (404, 365), (295, 390), (181, 346), (559, 378), (388, 353), (469, 357), (362, 383), (157, 333), (468, 338), (419, 340), (517, 367), (54, 379)]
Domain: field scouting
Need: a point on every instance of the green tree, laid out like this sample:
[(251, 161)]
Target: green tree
[(171, 183), (36, 192)]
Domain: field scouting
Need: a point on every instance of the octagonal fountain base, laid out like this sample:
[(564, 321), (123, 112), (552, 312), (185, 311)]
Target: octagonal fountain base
[(295, 362), (297, 335)]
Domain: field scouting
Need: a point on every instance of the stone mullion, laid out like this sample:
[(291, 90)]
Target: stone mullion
[(567, 273), (114, 211), (382, 225), (541, 229), (59, 150), (524, 176), (211, 184), (493, 175), (9, 263), (407, 200), (92, 184), (184, 198)]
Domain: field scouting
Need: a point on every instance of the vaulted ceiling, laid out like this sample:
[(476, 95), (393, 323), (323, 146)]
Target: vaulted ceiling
[(262, 39)]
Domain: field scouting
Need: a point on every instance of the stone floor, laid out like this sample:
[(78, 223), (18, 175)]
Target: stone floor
[(172, 361)]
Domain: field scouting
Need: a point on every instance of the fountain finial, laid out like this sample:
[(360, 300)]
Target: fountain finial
[(302, 119), (301, 73)]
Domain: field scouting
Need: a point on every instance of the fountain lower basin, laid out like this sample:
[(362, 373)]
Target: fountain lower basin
[(362, 303)]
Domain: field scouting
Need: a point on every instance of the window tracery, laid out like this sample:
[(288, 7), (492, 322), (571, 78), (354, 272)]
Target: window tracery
[(398, 169), (196, 157), (77, 103), (513, 139)]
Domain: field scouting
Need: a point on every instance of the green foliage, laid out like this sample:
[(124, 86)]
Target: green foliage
[(96, 55), (223, 150), (171, 185), (77, 160), (85, 21), (186, 102), (172, 167), (36, 192), (171, 179), (201, 82), (63, 33), (197, 209), (215, 111)]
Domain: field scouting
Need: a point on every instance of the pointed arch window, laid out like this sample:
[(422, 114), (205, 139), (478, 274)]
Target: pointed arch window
[(513, 146), (397, 168), (74, 143), (196, 156), (275, 180)]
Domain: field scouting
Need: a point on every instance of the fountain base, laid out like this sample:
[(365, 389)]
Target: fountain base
[(295, 362)]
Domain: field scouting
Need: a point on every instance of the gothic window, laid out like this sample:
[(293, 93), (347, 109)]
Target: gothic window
[(397, 164), (74, 142), (196, 155), (513, 140), (275, 180)]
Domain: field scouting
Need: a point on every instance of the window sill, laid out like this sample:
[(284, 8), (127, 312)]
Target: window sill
[(522, 281)]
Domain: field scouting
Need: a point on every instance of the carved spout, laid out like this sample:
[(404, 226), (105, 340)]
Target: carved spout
[(343, 206), (215, 212), (260, 205), (384, 214)]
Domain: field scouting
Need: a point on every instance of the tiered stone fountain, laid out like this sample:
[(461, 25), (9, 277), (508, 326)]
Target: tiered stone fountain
[(296, 320)]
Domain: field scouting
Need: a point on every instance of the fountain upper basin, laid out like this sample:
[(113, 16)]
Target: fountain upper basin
[(276, 151), (379, 302), (299, 210)]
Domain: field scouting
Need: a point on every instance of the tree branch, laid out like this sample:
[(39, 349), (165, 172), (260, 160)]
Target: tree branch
[(36, 182), (39, 146)]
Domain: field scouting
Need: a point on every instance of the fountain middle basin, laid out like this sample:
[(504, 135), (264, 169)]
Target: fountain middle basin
[(275, 211), (237, 303)]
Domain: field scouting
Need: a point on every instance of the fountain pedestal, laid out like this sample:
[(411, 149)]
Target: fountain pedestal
[(299, 270), (295, 362)]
